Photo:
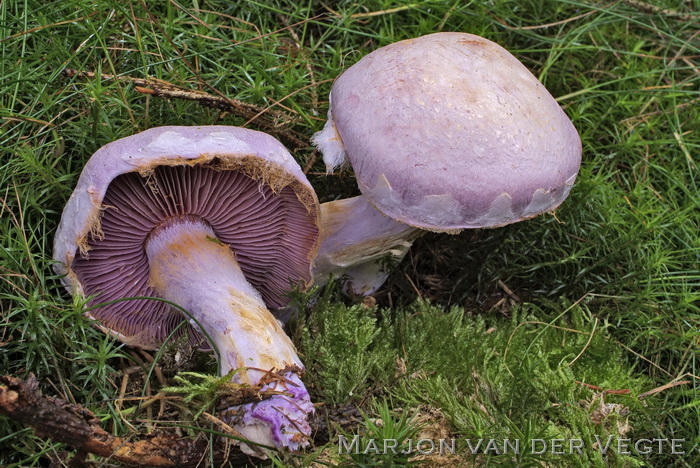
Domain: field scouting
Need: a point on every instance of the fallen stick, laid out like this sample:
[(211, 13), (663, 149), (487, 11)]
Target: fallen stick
[(272, 121), (78, 428)]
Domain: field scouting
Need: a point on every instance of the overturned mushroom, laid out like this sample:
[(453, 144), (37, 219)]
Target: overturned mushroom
[(219, 220), (444, 132)]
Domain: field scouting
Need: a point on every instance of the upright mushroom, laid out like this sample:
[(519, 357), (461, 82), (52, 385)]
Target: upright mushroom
[(444, 132), (219, 220)]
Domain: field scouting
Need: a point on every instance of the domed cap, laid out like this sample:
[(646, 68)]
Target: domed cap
[(243, 184), (450, 131)]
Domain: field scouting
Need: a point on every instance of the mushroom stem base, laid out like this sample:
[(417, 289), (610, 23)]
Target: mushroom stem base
[(191, 268), (360, 243)]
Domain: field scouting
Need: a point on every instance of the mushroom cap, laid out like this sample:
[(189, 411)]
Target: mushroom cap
[(450, 131), (242, 183)]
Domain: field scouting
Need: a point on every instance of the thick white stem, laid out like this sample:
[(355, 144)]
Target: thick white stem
[(191, 268), (359, 242)]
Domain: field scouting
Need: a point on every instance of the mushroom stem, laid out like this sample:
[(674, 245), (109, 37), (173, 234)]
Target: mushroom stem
[(360, 243), (192, 268)]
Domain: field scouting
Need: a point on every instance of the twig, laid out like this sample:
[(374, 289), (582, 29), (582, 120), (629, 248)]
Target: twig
[(510, 293), (77, 427), (605, 391), (122, 391), (649, 8), (311, 161), (229, 430), (268, 119), (148, 401), (662, 388)]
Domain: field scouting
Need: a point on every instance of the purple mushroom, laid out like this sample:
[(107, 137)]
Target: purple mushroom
[(219, 220), (444, 132)]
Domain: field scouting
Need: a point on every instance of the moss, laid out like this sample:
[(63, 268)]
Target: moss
[(518, 378)]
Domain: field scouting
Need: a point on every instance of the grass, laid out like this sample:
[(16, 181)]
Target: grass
[(508, 333)]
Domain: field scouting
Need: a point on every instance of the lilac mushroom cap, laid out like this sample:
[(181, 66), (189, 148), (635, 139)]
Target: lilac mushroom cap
[(450, 131), (243, 183), (219, 220)]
